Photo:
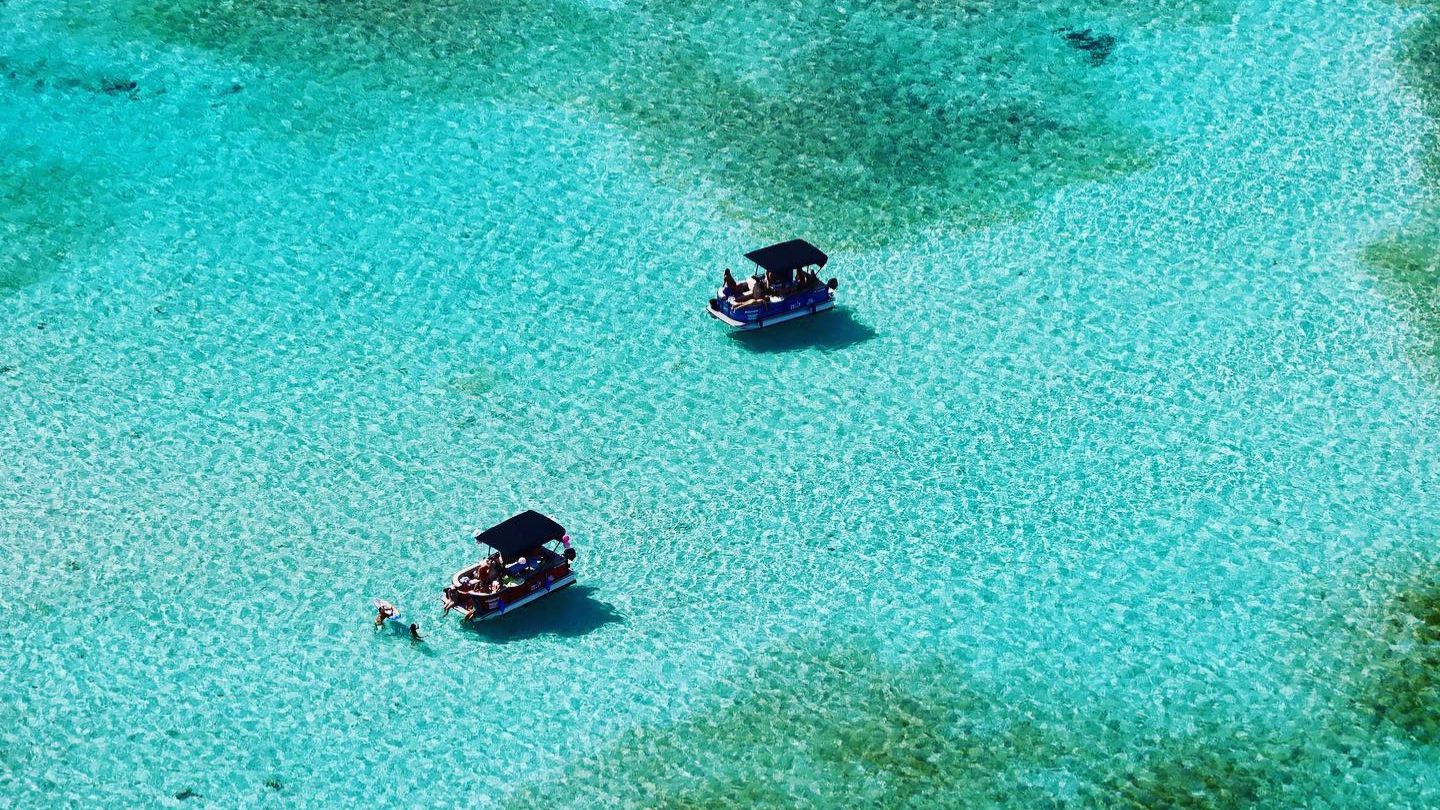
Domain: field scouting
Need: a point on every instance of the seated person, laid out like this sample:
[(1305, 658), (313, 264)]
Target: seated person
[(758, 293), (732, 287), (514, 574)]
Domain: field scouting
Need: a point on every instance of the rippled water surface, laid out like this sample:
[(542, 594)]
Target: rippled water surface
[(1112, 481)]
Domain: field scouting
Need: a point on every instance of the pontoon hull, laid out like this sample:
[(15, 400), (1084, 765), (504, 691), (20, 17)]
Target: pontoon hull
[(763, 319), (507, 607), (493, 606)]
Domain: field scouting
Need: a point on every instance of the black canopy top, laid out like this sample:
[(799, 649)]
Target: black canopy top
[(520, 534), (788, 256)]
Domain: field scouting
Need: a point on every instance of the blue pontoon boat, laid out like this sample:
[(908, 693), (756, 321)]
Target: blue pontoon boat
[(785, 288)]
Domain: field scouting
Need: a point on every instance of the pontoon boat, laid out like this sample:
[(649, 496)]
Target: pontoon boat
[(784, 288), (530, 558)]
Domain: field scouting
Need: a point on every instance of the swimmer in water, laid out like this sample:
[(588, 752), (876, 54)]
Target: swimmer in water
[(385, 611), (415, 633)]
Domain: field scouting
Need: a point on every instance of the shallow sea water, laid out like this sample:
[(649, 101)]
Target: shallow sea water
[(1115, 514)]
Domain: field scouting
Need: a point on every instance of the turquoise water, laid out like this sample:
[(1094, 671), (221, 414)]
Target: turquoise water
[(1117, 513)]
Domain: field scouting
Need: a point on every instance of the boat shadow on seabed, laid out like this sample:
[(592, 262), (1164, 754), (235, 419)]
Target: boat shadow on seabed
[(568, 613), (827, 331)]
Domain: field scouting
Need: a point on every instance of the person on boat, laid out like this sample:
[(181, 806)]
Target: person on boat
[(732, 287), (415, 633), (520, 569), (385, 611), (759, 291)]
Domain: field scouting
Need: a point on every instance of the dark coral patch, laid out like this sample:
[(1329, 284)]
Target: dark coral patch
[(449, 46), (1408, 266), (1421, 55), (1097, 46), (1198, 773), (825, 725), (854, 125), (1399, 659), (855, 136), (1408, 263), (46, 74), (850, 730), (115, 87), (45, 217)]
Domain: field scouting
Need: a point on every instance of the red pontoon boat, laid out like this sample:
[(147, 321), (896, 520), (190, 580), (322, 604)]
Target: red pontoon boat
[(530, 558)]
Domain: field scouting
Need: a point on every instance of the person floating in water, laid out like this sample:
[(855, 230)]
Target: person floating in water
[(384, 610), (415, 633)]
